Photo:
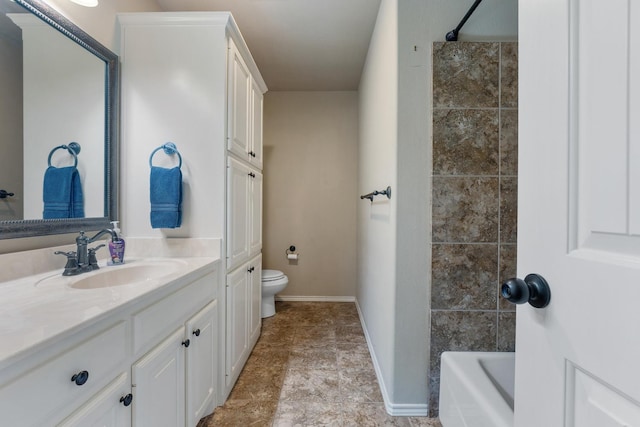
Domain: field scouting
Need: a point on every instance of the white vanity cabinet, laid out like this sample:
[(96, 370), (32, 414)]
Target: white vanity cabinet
[(243, 315), (177, 378), (152, 361)]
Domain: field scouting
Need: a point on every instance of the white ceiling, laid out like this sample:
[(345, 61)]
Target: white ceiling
[(300, 44)]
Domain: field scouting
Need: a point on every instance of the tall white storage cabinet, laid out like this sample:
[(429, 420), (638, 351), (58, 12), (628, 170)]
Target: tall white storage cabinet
[(189, 78)]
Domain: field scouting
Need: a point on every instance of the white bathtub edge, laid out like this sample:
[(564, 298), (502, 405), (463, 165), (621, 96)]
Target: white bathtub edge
[(462, 372)]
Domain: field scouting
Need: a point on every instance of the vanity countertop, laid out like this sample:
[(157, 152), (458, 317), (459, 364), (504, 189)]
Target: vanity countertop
[(38, 309)]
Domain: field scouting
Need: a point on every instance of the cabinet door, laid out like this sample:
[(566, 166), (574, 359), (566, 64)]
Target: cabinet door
[(255, 315), (237, 317), (239, 87), (105, 408), (158, 384), (255, 214), (238, 181), (256, 125), (202, 362)]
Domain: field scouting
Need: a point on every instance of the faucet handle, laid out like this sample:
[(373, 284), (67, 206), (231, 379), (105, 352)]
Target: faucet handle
[(93, 261), (70, 254), (71, 268)]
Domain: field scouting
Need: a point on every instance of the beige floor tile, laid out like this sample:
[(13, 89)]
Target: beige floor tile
[(370, 415)]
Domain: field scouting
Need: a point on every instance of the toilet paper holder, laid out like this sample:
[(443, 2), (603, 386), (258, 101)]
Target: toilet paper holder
[(291, 253)]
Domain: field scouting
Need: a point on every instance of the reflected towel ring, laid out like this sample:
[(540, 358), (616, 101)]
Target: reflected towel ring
[(73, 148), (169, 149)]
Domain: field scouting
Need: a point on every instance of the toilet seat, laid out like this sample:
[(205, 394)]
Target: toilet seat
[(271, 275)]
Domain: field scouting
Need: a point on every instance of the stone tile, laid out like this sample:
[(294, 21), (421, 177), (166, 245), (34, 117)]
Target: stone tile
[(509, 142), (509, 74), (508, 210), (308, 414), (311, 336), (354, 356), (274, 340), (242, 413), (346, 319), (507, 331), (461, 331), (269, 357), (465, 209), (465, 142), (508, 265), (464, 276), (359, 385), (350, 334), (310, 385), (424, 422), (258, 384), (465, 74), (434, 394), (313, 358), (370, 415)]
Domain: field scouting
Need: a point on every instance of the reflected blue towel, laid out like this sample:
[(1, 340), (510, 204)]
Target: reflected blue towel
[(166, 197), (62, 193)]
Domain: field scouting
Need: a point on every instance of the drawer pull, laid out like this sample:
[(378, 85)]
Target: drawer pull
[(197, 332), (126, 400), (80, 378), (186, 343)]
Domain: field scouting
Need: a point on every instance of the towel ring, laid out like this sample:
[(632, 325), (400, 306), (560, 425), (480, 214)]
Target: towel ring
[(169, 149), (73, 148)]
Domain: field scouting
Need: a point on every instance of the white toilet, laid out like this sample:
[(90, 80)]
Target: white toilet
[(273, 281)]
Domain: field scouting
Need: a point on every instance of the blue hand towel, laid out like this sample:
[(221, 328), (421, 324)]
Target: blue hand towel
[(166, 197), (62, 193)]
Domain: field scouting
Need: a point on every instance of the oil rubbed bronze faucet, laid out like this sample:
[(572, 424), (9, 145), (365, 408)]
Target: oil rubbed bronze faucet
[(84, 259)]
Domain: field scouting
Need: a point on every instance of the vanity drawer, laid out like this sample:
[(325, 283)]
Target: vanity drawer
[(155, 322), (46, 391)]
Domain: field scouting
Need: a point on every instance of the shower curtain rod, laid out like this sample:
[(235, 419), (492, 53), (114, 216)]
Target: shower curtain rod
[(452, 35)]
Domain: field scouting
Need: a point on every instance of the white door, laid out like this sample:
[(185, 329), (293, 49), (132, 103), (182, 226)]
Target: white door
[(158, 384), (238, 202), (238, 91), (578, 360), (255, 214), (255, 290), (202, 363), (237, 318)]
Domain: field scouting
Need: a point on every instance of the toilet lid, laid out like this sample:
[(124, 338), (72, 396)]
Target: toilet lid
[(269, 275)]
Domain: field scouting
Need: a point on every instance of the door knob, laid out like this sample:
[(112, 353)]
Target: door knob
[(534, 289)]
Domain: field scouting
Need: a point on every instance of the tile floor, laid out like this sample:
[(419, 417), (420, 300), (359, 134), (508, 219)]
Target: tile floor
[(310, 367)]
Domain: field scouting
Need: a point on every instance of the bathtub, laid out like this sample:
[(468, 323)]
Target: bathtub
[(476, 389)]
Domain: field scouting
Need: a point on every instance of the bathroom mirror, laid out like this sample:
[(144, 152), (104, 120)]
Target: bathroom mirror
[(59, 86)]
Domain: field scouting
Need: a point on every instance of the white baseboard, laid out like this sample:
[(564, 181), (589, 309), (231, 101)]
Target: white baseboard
[(305, 298), (393, 409)]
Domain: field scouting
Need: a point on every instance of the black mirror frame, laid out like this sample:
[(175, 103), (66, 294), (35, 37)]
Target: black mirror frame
[(42, 227)]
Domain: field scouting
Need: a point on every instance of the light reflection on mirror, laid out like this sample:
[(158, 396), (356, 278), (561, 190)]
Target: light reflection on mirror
[(55, 95)]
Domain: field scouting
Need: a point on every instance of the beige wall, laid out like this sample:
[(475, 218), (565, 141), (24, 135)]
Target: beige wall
[(310, 190)]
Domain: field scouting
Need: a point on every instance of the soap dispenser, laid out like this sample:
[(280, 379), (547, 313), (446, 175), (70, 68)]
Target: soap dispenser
[(116, 246)]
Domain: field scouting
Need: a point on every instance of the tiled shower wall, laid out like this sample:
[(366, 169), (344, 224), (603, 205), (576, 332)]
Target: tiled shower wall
[(475, 134)]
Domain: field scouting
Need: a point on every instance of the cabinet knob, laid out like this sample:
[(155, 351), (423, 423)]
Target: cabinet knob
[(197, 332), (186, 343), (126, 400), (252, 153), (80, 378)]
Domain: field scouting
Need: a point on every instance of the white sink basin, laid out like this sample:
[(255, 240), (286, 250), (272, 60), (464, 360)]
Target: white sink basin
[(134, 272)]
